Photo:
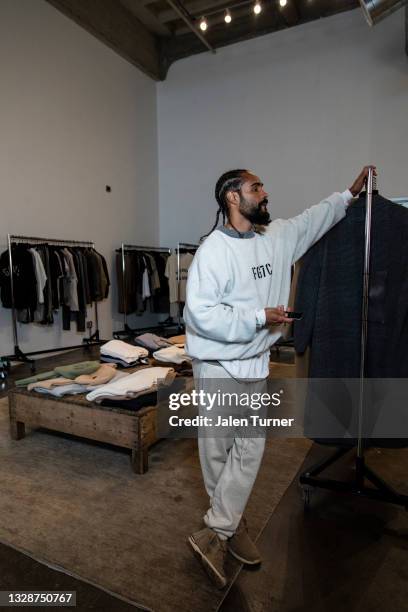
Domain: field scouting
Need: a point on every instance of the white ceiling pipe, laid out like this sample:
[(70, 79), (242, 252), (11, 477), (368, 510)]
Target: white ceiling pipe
[(375, 10)]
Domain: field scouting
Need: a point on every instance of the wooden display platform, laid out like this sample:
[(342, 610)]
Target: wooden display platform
[(73, 414)]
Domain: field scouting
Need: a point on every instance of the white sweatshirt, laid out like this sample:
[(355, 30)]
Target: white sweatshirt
[(231, 280)]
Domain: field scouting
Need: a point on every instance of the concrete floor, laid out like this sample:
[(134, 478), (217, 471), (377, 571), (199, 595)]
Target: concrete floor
[(345, 553), (20, 572)]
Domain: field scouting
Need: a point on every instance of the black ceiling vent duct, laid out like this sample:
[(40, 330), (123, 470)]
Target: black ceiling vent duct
[(375, 10)]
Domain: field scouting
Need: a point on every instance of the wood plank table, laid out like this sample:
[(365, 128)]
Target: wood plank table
[(73, 414)]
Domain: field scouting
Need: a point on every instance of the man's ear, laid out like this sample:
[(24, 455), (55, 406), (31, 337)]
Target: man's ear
[(232, 197)]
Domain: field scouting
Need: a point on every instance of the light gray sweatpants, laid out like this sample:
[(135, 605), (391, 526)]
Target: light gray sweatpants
[(229, 464)]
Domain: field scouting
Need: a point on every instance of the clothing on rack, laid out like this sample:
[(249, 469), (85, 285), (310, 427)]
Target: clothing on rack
[(25, 285), (47, 277), (178, 280), (329, 294), (143, 286)]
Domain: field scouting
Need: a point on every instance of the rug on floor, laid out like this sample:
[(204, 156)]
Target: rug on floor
[(77, 504)]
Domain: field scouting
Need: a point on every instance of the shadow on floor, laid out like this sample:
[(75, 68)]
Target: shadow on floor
[(345, 553)]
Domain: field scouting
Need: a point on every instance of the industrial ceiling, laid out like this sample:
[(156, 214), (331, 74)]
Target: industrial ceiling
[(153, 34)]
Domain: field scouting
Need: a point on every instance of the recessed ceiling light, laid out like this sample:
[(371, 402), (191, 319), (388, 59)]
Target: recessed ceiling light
[(283, 3), (257, 8), (228, 17), (203, 24)]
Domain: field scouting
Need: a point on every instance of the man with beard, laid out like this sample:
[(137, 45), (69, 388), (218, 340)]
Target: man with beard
[(237, 283)]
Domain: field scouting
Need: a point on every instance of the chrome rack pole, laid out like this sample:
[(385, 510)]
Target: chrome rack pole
[(13, 308), (364, 321), (124, 288), (95, 335), (178, 286)]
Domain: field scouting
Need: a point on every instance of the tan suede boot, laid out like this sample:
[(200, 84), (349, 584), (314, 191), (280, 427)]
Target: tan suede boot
[(242, 547), (211, 551)]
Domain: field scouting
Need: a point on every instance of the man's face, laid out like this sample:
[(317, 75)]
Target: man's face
[(254, 200)]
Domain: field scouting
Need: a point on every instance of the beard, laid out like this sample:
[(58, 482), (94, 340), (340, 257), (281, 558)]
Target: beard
[(256, 214)]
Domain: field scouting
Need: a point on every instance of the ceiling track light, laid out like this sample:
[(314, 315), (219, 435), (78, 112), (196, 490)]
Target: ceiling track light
[(283, 3), (257, 8), (203, 24), (228, 16)]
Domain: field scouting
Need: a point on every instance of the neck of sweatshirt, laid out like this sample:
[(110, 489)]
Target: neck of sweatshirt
[(234, 234)]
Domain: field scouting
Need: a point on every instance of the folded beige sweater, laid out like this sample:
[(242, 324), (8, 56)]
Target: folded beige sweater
[(102, 376), (177, 339)]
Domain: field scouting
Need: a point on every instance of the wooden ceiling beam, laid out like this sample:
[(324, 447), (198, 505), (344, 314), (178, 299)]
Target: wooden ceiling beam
[(146, 17), (179, 9), (117, 27)]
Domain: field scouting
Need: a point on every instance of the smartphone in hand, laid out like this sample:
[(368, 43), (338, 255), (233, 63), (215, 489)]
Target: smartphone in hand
[(296, 316)]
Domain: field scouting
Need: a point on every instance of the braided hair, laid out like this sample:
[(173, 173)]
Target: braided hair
[(229, 181)]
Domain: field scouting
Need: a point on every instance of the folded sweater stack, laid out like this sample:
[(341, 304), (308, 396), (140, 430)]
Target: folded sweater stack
[(138, 383), (172, 354), (71, 371), (178, 339), (58, 387), (122, 353), (152, 342)]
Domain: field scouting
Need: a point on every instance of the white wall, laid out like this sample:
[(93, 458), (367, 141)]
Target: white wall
[(304, 108), (74, 117)]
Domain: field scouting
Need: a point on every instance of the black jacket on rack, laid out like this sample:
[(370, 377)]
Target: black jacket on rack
[(24, 285), (330, 293)]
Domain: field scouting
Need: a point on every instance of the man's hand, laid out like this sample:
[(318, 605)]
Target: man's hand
[(276, 316), (361, 180)]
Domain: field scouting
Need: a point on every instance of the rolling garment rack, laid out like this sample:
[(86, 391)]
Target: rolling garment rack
[(126, 329), (380, 490), (20, 355), (189, 247)]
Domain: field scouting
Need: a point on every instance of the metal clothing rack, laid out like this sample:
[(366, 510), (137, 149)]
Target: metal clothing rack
[(135, 247), (20, 355), (379, 490), (189, 247)]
